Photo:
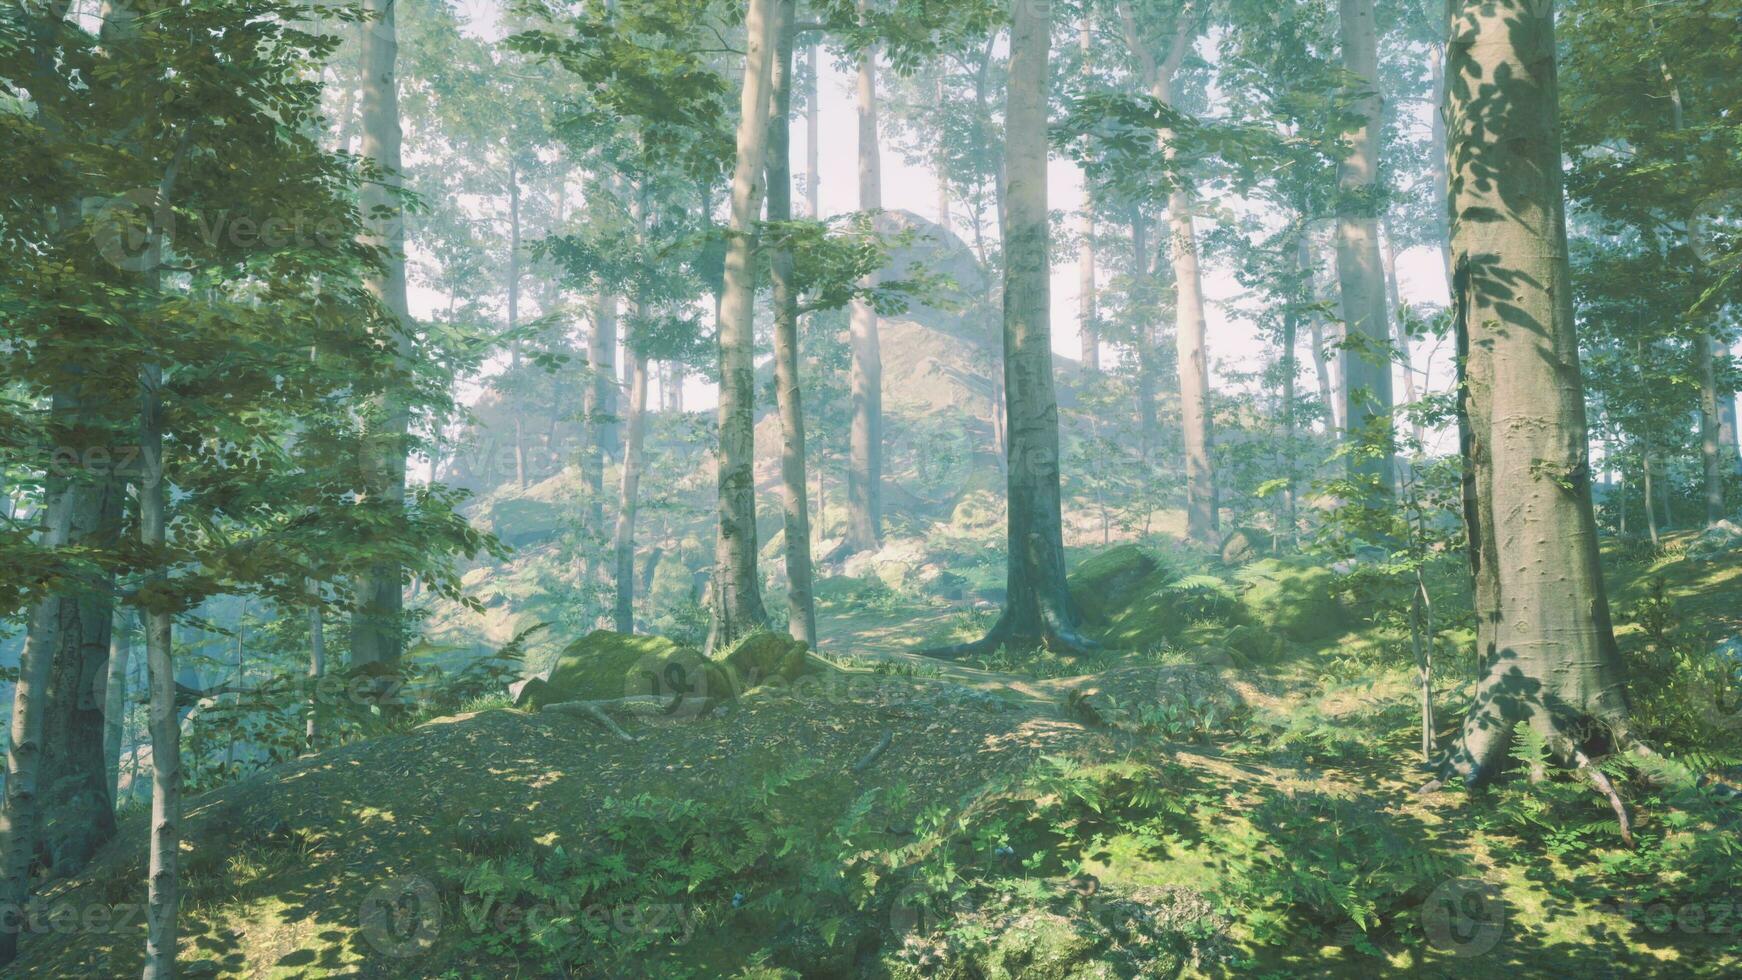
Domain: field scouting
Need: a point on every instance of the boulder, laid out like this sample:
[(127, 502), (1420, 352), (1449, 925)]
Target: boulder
[(523, 521), (604, 666), (764, 656), (1122, 593), (1293, 599), (1716, 542), (1246, 544)]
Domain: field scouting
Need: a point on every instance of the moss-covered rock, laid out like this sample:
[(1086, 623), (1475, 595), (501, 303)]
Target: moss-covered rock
[(603, 666), (1246, 544), (1293, 599), (522, 521), (1122, 593), (766, 656)]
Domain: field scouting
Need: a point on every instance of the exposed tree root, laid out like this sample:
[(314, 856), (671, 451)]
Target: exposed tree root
[(1604, 786), (876, 752), (594, 711), (1058, 637)]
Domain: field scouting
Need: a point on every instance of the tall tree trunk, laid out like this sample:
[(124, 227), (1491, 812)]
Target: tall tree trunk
[(600, 407), (801, 609), (813, 177), (82, 510), (1038, 607), (1367, 400), (317, 663), (1727, 431), (163, 893), (1546, 646), (1144, 339), (634, 436), (115, 699), (1711, 454), (1089, 333), (1406, 357), (865, 438), (1189, 322), (1316, 326), (514, 317), (1650, 497), (375, 625), (737, 602), (628, 495), (1442, 182)]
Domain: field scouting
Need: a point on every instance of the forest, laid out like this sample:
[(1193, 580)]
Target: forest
[(785, 489)]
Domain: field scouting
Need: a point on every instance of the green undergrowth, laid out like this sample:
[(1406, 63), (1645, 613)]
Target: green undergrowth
[(1196, 808)]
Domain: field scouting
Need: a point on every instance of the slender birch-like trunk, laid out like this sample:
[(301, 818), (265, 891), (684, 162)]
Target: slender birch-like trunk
[(375, 624), (737, 596), (865, 436), (1367, 398), (1202, 521), (801, 607)]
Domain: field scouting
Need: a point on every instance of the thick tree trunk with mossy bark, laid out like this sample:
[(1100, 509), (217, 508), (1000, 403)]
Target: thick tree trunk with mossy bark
[(1546, 646), (1038, 607), (52, 791), (737, 599), (375, 624), (1367, 397), (801, 608), (865, 436)]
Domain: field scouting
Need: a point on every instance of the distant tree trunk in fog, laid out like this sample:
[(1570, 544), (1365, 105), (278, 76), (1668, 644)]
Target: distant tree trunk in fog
[(628, 494), (801, 609), (737, 591), (1038, 607), (1650, 495), (1545, 644), (1088, 333), (865, 439), (1086, 286), (1367, 399), (1394, 302), (1316, 325), (509, 400), (813, 177), (375, 624), (599, 407), (1711, 449), (1144, 341), (634, 435), (1202, 521)]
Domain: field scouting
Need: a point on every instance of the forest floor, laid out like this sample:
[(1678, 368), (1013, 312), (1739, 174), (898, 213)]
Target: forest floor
[(1238, 800)]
